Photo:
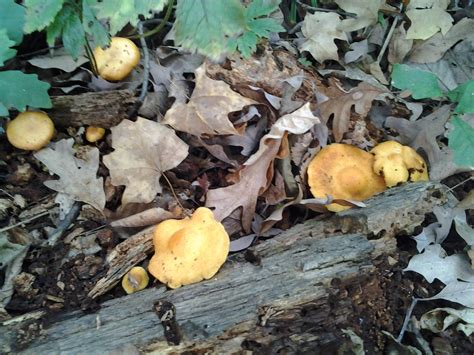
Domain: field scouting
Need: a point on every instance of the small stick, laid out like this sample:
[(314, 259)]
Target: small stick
[(28, 220), (146, 65), (407, 319), (387, 40), (65, 223)]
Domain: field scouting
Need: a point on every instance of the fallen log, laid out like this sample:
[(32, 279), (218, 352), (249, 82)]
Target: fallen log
[(103, 109), (253, 293)]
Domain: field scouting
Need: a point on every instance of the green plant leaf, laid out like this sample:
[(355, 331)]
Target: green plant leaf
[(68, 25), (18, 90), (74, 37), (208, 26), (121, 12), (461, 141), (422, 84), (259, 8), (5, 43), (92, 26), (464, 96), (12, 18), (257, 27), (40, 13), (247, 43)]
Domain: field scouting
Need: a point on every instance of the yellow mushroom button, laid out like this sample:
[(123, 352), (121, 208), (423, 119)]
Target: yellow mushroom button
[(30, 130), (93, 134), (189, 250), (135, 280), (343, 172), (115, 62)]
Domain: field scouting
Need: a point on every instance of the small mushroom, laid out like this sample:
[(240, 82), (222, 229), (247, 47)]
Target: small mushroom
[(30, 130), (135, 280), (343, 172), (189, 250), (398, 163), (115, 62), (93, 134)]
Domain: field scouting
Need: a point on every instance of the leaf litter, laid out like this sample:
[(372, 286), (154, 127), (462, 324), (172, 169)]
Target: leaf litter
[(227, 148)]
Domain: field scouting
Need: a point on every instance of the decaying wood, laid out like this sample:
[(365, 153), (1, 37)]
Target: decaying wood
[(103, 109), (293, 269)]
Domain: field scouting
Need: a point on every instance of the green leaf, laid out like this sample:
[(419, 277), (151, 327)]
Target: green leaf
[(259, 8), (12, 18), (5, 43), (92, 26), (40, 13), (464, 96), (74, 37), (18, 90), (461, 141), (264, 26), (68, 25), (3, 110), (121, 12), (422, 84), (247, 44), (208, 26), (257, 27)]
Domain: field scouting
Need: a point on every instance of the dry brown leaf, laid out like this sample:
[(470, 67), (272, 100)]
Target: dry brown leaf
[(366, 10), (143, 151), (399, 45), (257, 174), (208, 108), (78, 176), (148, 217), (320, 30), (428, 17), (341, 102), (423, 132), (434, 48), (254, 180)]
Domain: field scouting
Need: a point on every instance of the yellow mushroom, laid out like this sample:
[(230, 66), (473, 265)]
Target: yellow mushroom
[(115, 62), (398, 163), (189, 250), (30, 130), (135, 280), (93, 134), (343, 172)]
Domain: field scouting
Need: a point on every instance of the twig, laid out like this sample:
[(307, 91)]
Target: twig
[(308, 7), (146, 64), (28, 220), (65, 223), (174, 194), (162, 24), (407, 319), (387, 40), (461, 183)]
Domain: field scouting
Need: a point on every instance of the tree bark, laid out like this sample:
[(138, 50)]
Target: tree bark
[(254, 295), (102, 109)]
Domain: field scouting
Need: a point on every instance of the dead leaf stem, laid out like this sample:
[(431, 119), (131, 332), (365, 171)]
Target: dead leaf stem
[(174, 194)]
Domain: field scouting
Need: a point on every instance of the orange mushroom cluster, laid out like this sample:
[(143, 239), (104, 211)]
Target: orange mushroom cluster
[(189, 250), (346, 172)]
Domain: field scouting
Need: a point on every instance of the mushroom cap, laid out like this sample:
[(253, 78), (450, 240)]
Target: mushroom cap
[(93, 134), (115, 62), (343, 172), (135, 280), (189, 250), (30, 130), (398, 163)]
